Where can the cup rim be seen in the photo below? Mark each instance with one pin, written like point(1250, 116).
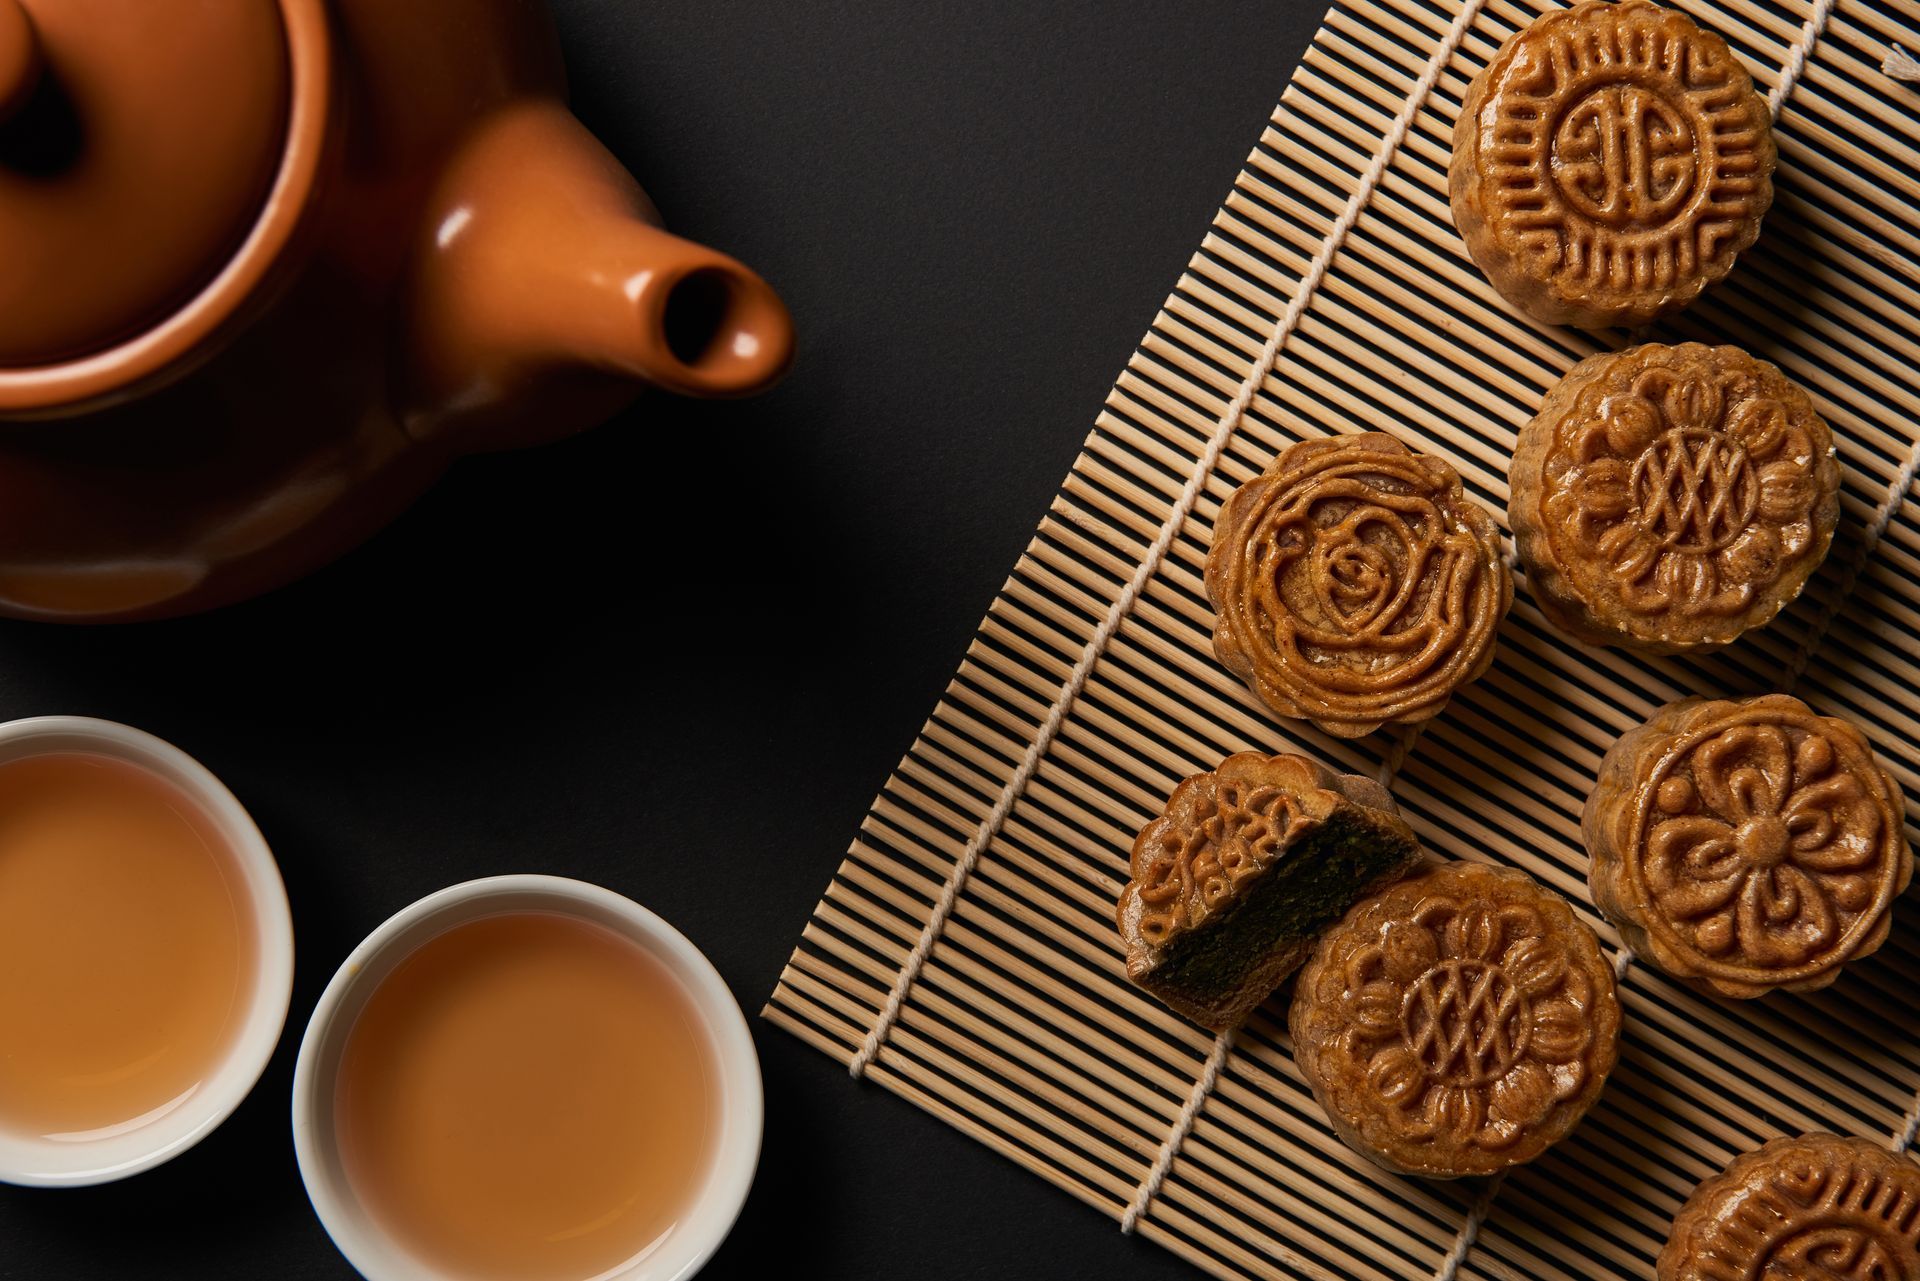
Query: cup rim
point(252, 1048)
point(717, 1205)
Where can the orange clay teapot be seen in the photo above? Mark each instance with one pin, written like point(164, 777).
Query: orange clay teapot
point(268, 266)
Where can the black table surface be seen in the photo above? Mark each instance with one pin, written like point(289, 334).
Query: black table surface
point(677, 655)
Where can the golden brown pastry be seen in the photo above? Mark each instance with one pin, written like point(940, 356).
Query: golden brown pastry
point(1669, 498)
point(1355, 584)
point(1744, 845)
point(1610, 163)
point(1459, 1022)
point(1815, 1208)
point(1245, 866)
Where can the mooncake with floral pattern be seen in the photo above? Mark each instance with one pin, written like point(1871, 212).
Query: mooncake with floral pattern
point(1668, 499)
point(1746, 845)
point(1457, 1023)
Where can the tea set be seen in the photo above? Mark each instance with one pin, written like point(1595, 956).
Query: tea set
point(267, 268)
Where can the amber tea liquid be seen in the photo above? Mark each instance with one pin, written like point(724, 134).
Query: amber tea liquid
point(527, 1097)
point(127, 948)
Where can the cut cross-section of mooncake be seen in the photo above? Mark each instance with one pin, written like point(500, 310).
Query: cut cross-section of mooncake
point(1246, 865)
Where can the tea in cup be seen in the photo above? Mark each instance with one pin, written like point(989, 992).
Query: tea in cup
point(527, 1079)
point(146, 951)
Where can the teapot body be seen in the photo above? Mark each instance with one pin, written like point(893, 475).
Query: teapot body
point(454, 264)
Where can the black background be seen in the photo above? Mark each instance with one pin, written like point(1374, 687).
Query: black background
point(679, 654)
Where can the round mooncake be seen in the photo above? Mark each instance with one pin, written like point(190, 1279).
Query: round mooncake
point(1457, 1023)
point(1745, 845)
point(1610, 163)
point(1669, 498)
point(1355, 584)
point(1815, 1208)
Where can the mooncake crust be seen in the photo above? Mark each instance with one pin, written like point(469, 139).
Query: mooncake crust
point(1457, 1023)
point(1745, 846)
point(1670, 498)
point(1815, 1208)
point(1355, 584)
point(1244, 866)
point(1610, 163)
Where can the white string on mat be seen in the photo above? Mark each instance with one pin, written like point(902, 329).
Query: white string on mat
point(1076, 681)
point(1810, 33)
point(1622, 962)
point(1909, 1128)
point(1900, 65)
point(1182, 1126)
point(1450, 1266)
point(1857, 565)
point(1403, 740)
point(1396, 753)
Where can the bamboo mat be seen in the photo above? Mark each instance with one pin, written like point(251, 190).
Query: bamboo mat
point(1091, 690)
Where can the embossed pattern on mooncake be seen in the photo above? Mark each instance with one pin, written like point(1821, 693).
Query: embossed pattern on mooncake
point(1816, 1208)
point(1744, 845)
point(1610, 163)
point(1460, 1022)
point(1245, 865)
point(1670, 498)
point(1355, 584)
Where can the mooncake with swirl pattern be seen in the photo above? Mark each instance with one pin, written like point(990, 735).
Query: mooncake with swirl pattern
point(1355, 584)
point(1814, 1208)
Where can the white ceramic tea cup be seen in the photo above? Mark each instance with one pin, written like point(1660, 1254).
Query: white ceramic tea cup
point(685, 1247)
point(115, 1152)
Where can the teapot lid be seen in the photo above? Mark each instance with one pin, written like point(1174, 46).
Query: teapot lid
point(141, 147)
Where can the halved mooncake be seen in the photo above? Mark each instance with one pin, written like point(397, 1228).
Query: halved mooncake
point(1247, 863)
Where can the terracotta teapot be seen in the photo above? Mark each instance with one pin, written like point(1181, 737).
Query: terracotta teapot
point(268, 266)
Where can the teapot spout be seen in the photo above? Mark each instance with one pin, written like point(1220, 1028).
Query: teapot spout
point(543, 273)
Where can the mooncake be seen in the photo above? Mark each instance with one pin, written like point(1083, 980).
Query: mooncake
point(1816, 1208)
point(1609, 164)
point(1746, 845)
point(1355, 584)
point(1247, 863)
point(1668, 498)
point(1459, 1022)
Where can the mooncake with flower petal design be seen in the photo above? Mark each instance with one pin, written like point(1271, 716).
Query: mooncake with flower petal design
point(1245, 866)
point(1355, 584)
point(1746, 845)
point(1668, 499)
point(1814, 1208)
point(1457, 1023)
